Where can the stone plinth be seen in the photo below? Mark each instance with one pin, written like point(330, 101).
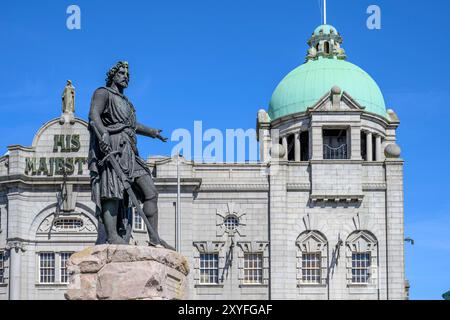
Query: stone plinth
point(122, 272)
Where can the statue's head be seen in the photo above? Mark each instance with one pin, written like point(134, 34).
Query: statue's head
point(119, 75)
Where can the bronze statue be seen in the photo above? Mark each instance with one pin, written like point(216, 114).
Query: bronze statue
point(119, 177)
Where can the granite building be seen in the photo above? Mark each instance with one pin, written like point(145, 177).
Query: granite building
point(320, 216)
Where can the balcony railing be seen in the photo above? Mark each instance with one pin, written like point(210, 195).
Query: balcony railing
point(335, 153)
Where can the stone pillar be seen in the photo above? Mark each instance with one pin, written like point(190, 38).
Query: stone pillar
point(264, 135)
point(316, 139)
point(354, 142)
point(378, 148)
point(369, 146)
point(285, 145)
point(298, 151)
point(282, 249)
point(395, 229)
point(264, 144)
point(15, 250)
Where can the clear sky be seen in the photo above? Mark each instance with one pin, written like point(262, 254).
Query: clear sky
point(219, 61)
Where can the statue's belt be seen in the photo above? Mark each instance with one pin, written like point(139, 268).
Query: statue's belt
point(117, 129)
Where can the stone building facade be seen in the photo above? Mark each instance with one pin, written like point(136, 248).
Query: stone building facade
point(320, 216)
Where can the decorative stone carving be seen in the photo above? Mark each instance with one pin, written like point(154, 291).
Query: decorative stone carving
point(361, 241)
point(311, 241)
point(277, 151)
point(392, 151)
point(252, 247)
point(209, 246)
point(230, 221)
point(336, 90)
point(16, 245)
point(123, 272)
point(50, 224)
point(312, 53)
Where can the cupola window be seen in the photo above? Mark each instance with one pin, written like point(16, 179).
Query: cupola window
point(327, 47)
point(335, 144)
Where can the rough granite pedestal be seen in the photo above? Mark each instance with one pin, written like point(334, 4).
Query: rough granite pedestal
point(123, 272)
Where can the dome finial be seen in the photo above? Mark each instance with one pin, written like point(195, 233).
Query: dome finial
point(324, 11)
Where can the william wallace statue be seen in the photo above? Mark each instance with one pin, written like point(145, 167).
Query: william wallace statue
point(119, 177)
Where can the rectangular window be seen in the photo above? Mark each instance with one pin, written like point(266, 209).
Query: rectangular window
point(138, 222)
point(2, 267)
point(68, 224)
point(335, 144)
point(361, 267)
point(46, 267)
point(63, 258)
point(253, 268)
point(209, 268)
point(311, 268)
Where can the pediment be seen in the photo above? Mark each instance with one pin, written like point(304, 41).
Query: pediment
point(336, 102)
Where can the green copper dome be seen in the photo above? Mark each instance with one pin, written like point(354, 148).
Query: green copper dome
point(325, 28)
point(325, 68)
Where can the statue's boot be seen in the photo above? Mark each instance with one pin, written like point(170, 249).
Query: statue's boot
point(116, 239)
point(110, 220)
point(166, 245)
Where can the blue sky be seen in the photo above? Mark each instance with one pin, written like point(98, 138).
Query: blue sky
point(219, 62)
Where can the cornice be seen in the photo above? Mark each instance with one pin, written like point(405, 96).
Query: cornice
point(235, 187)
point(298, 187)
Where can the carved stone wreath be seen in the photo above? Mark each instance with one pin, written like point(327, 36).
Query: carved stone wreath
point(230, 220)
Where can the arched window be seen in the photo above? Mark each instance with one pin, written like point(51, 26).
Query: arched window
point(362, 258)
point(312, 258)
point(326, 47)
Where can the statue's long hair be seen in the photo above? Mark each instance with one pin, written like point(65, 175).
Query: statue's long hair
point(112, 72)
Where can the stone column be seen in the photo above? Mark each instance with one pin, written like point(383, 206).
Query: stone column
point(369, 146)
point(285, 145)
point(265, 142)
point(378, 148)
point(15, 249)
point(298, 151)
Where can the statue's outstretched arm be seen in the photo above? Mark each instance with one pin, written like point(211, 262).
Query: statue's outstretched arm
point(149, 132)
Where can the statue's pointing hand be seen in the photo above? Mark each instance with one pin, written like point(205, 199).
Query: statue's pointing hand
point(160, 137)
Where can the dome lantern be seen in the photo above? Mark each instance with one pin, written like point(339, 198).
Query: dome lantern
point(325, 42)
point(326, 66)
